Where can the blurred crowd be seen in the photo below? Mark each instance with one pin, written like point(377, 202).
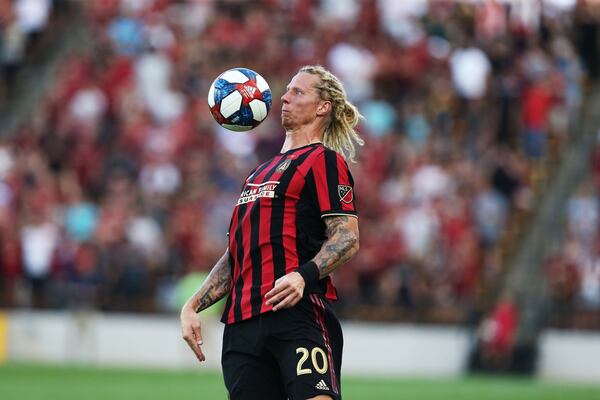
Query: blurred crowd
point(573, 271)
point(122, 184)
point(22, 22)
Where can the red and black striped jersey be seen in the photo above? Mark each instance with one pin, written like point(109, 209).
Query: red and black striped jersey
point(277, 223)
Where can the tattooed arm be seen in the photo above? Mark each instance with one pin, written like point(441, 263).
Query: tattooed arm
point(215, 287)
point(340, 246)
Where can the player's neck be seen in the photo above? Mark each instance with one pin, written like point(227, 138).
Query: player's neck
point(304, 136)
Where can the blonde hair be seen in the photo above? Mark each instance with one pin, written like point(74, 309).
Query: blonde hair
point(340, 133)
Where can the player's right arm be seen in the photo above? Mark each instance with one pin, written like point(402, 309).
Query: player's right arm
point(214, 288)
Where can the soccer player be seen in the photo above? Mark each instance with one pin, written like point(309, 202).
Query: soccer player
point(294, 223)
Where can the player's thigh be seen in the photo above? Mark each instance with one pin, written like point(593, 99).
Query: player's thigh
point(249, 371)
point(251, 377)
point(311, 355)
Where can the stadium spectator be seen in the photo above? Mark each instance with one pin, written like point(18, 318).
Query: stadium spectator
point(573, 271)
point(22, 23)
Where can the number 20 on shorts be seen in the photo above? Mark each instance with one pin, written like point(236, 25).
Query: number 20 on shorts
point(317, 357)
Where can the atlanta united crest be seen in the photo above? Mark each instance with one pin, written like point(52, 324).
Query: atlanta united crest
point(284, 165)
point(345, 193)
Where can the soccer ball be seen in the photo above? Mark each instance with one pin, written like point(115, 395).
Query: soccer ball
point(239, 99)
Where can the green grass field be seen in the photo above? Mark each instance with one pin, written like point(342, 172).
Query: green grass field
point(39, 382)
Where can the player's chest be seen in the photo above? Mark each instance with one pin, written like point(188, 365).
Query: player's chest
point(281, 179)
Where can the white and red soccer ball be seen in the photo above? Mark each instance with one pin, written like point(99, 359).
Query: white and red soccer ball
point(239, 99)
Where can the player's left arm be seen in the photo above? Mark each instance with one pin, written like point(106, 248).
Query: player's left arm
point(340, 246)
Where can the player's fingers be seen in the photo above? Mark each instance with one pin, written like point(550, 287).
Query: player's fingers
point(195, 343)
point(192, 334)
point(188, 334)
point(279, 287)
point(276, 298)
point(195, 346)
point(289, 301)
point(279, 296)
point(199, 352)
point(197, 332)
point(191, 330)
point(198, 342)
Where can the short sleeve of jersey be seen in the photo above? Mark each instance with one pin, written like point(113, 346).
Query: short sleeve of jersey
point(334, 186)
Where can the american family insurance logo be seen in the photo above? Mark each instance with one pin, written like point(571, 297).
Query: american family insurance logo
point(255, 191)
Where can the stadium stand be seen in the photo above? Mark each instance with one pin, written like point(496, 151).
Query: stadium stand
point(572, 270)
point(121, 185)
point(26, 30)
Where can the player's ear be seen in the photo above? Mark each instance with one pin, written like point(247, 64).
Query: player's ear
point(324, 108)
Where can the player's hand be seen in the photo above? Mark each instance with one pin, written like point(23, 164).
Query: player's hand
point(287, 292)
point(190, 329)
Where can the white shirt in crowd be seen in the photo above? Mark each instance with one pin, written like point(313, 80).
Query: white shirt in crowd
point(38, 243)
point(470, 68)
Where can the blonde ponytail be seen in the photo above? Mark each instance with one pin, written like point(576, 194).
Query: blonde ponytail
point(340, 133)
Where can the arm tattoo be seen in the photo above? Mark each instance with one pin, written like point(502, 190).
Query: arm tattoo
point(216, 285)
point(340, 246)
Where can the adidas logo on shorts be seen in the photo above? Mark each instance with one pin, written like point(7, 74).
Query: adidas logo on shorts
point(321, 385)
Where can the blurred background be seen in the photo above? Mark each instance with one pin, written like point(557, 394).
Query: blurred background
point(477, 187)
